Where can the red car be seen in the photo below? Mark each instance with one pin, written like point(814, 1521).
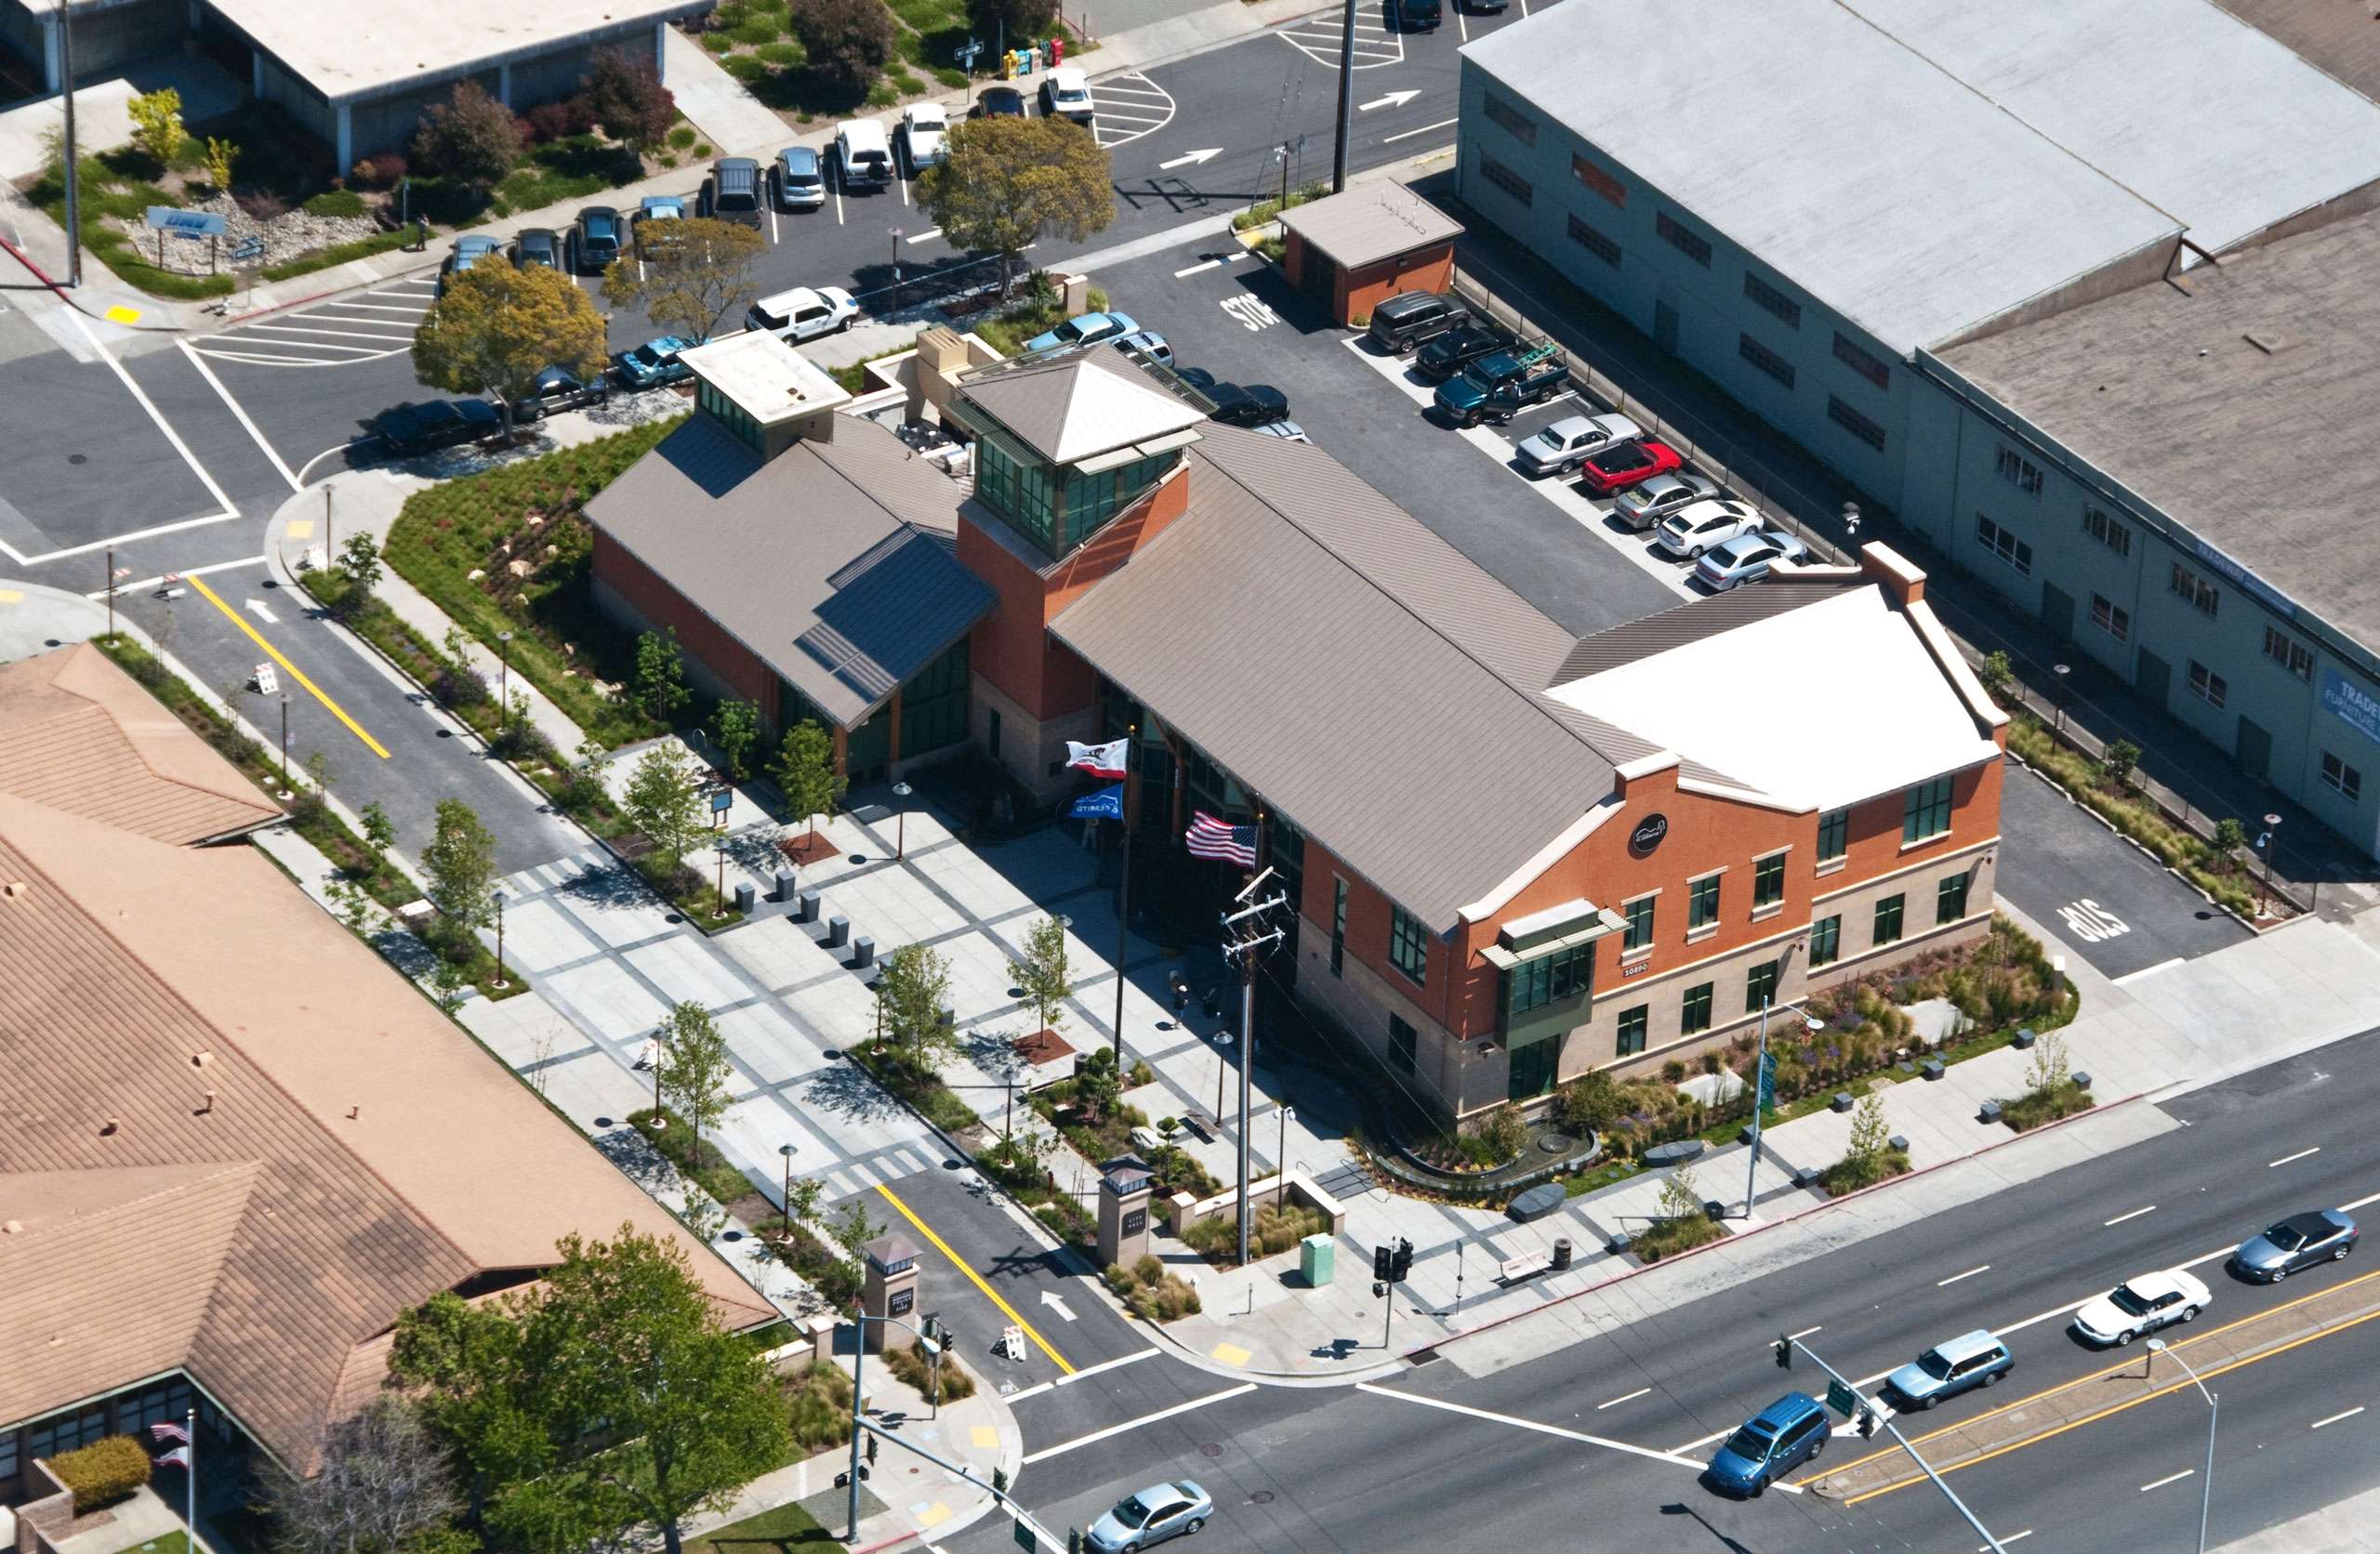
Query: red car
point(1616, 469)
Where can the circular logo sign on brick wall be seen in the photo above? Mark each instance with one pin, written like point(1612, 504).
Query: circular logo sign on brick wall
point(1649, 833)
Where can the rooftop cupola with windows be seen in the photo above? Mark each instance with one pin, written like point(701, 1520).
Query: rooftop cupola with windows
point(1064, 446)
point(765, 392)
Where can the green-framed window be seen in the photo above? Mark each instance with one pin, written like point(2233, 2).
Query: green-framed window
point(1768, 881)
point(1760, 985)
point(1633, 1026)
point(1338, 926)
point(1835, 835)
point(1402, 1040)
point(1925, 810)
point(1889, 920)
point(1702, 902)
point(1549, 979)
point(1640, 923)
point(933, 703)
point(1826, 941)
point(1409, 944)
point(1951, 897)
point(1694, 1014)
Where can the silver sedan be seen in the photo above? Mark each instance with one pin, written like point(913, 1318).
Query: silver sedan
point(1153, 1515)
point(1747, 558)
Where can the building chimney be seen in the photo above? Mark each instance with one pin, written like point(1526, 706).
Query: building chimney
point(1881, 564)
point(209, 1106)
point(112, 1125)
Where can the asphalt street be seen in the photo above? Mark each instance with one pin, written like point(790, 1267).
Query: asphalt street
point(1612, 1428)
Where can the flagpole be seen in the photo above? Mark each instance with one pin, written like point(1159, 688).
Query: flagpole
point(189, 1423)
point(1124, 886)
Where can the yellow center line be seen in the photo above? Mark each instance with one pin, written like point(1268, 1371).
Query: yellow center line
point(944, 1247)
point(294, 672)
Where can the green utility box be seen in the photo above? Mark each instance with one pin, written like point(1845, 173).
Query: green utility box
point(1318, 1256)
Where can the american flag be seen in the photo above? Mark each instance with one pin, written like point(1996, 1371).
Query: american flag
point(1209, 837)
point(168, 1431)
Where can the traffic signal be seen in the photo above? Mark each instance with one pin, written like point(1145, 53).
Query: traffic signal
point(1784, 1347)
point(1400, 1266)
point(1867, 1423)
point(1381, 1258)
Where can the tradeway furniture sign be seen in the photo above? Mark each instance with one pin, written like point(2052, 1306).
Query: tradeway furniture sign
point(2352, 705)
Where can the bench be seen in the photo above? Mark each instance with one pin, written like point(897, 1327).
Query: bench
point(1198, 1123)
point(1512, 1270)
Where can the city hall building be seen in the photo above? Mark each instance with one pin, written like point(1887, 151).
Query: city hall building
point(1516, 855)
point(2081, 294)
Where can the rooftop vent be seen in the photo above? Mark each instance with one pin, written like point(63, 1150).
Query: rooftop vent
point(2272, 342)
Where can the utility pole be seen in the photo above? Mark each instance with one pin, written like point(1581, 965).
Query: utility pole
point(1247, 941)
point(1346, 98)
point(1124, 887)
point(1786, 1345)
point(73, 180)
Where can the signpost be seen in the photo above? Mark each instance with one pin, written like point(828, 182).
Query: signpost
point(190, 224)
point(1842, 1399)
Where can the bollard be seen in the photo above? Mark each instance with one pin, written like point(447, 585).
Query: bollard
point(1561, 1253)
point(863, 953)
point(745, 898)
point(784, 892)
point(839, 931)
point(808, 910)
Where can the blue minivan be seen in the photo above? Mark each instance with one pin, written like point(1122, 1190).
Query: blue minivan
point(1789, 1432)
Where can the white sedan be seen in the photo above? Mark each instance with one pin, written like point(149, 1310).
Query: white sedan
point(2142, 1305)
point(804, 313)
point(1704, 525)
point(1747, 558)
point(923, 126)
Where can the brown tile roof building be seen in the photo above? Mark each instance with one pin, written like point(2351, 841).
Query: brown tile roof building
point(234, 1141)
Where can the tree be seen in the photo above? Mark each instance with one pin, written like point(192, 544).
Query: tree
point(660, 675)
point(1022, 19)
point(739, 727)
point(461, 865)
point(470, 137)
point(358, 559)
point(664, 802)
point(628, 100)
point(1870, 1136)
point(383, 1485)
point(619, 1332)
point(221, 154)
point(1995, 673)
point(848, 41)
point(913, 990)
point(1098, 1086)
point(805, 772)
point(1009, 182)
point(1680, 1198)
point(2050, 1071)
point(2229, 837)
point(1041, 972)
point(498, 328)
point(695, 1069)
point(157, 125)
point(689, 274)
point(379, 833)
point(2117, 763)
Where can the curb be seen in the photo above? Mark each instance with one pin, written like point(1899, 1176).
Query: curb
point(2155, 861)
point(1790, 1219)
point(60, 290)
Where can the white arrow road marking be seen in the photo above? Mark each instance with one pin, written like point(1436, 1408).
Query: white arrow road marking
point(1193, 159)
point(1057, 1304)
point(258, 606)
point(1394, 100)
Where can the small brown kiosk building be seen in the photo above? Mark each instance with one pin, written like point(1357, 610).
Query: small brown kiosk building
point(1354, 251)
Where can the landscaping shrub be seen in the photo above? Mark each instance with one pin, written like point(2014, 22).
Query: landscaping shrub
point(1667, 1238)
point(557, 121)
point(2211, 869)
point(380, 170)
point(818, 1405)
point(683, 135)
point(104, 1472)
point(1152, 1293)
point(914, 1369)
point(2033, 1109)
point(336, 203)
point(1850, 1174)
point(1274, 1229)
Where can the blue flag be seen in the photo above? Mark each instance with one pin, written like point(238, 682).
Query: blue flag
point(1106, 803)
point(1768, 1081)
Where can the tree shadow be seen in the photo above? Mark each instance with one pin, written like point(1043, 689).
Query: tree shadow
point(637, 1160)
point(846, 1090)
point(608, 886)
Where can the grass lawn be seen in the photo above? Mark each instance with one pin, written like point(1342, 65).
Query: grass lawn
point(786, 1527)
point(171, 1543)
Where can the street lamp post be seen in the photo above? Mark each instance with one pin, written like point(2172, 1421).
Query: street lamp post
point(286, 790)
point(859, 1398)
point(2265, 842)
point(499, 941)
point(1851, 529)
point(2061, 671)
point(504, 678)
point(901, 823)
point(1281, 1143)
point(2213, 1412)
point(786, 1152)
point(1223, 1046)
point(1759, 1079)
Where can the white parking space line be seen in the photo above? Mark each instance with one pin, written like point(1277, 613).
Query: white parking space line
point(415, 309)
point(2287, 1158)
point(2169, 1478)
point(1807, 1331)
point(1625, 1397)
point(255, 360)
point(2131, 977)
point(2133, 1215)
point(235, 407)
point(1979, 1268)
point(2336, 1417)
point(773, 236)
point(1063, 1446)
point(1425, 129)
point(330, 333)
point(2005, 1539)
point(1141, 105)
point(926, 236)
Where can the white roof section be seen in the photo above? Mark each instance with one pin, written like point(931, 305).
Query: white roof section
point(2215, 123)
point(353, 48)
point(1804, 134)
point(1715, 701)
point(763, 376)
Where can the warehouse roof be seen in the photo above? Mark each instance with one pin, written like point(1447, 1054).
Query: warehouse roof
point(2338, 35)
point(1369, 223)
point(2239, 409)
point(831, 562)
point(2079, 134)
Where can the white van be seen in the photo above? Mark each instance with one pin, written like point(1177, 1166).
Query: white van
point(863, 155)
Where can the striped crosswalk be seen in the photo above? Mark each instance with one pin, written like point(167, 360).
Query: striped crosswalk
point(1317, 37)
point(549, 876)
point(364, 326)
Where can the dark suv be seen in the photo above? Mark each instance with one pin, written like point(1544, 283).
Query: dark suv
point(732, 192)
point(1410, 318)
point(595, 240)
point(418, 428)
point(1460, 346)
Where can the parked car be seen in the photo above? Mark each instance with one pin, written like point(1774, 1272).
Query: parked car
point(1151, 1515)
point(1483, 7)
point(1647, 502)
point(1977, 1358)
point(660, 207)
point(1082, 329)
point(1287, 431)
point(1747, 558)
point(1410, 318)
point(1495, 388)
point(2142, 1305)
point(1700, 526)
point(1789, 1432)
point(1065, 94)
point(732, 192)
point(1446, 354)
point(558, 388)
point(1417, 16)
point(923, 126)
point(999, 102)
point(2300, 1240)
point(804, 313)
point(468, 250)
point(1565, 444)
point(595, 239)
point(418, 428)
point(1146, 345)
point(536, 245)
point(1248, 404)
point(863, 156)
point(1615, 470)
point(799, 183)
point(652, 364)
